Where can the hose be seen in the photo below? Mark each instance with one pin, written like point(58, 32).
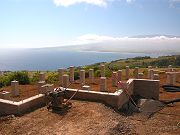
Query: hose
point(72, 96)
point(171, 88)
point(171, 101)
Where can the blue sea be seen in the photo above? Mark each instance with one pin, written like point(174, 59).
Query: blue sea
point(52, 59)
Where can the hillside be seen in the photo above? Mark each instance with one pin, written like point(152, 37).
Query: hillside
point(85, 118)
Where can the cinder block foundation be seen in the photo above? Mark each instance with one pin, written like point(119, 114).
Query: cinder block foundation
point(141, 87)
point(9, 107)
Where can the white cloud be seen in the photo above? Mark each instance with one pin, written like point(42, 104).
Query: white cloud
point(100, 3)
point(66, 3)
point(93, 38)
point(144, 44)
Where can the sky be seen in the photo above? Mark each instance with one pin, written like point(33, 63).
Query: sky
point(48, 23)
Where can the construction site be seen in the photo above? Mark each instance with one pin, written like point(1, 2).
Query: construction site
point(128, 102)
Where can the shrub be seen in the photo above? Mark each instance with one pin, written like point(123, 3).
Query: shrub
point(108, 73)
point(4, 81)
point(52, 78)
point(21, 76)
point(76, 75)
point(97, 73)
point(86, 74)
point(177, 61)
point(35, 78)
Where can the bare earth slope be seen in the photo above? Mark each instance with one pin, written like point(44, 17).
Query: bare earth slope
point(90, 118)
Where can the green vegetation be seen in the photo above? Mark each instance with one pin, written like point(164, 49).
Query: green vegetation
point(144, 62)
point(34, 78)
point(51, 77)
point(141, 62)
point(25, 77)
point(21, 76)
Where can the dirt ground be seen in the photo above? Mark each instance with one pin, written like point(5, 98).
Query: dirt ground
point(90, 118)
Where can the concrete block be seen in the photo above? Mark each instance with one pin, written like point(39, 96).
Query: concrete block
point(91, 75)
point(65, 80)
point(82, 77)
point(41, 83)
point(156, 77)
point(140, 75)
point(146, 88)
point(136, 71)
point(71, 74)
point(170, 69)
point(15, 88)
point(151, 74)
point(46, 88)
point(171, 78)
point(60, 76)
point(114, 79)
point(86, 87)
point(103, 84)
point(102, 70)
point(5, 95)
point(41, 76)
point(8, 107)
point(122, 85)
point(111, 99)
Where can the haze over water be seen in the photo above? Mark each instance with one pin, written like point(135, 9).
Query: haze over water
point(47, 59)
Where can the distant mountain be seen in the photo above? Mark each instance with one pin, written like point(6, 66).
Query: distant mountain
point(135, 44)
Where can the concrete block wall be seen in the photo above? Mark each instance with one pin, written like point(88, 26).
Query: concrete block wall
point(31, 103)
point(9, 107)
point(143, 87)
point(104, 97)
point(146, 88)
